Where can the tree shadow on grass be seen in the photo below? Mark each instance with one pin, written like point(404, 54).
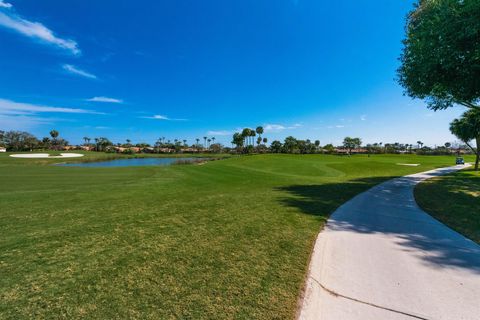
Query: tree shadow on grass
point(388, 209)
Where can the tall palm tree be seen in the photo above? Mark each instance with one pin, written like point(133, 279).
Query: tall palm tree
point(87, 140)
point(205, 142)
point(252, 136)
point(245, 135)
point(259, 131)
point(184, 142)
point(208, 144)
point(198, 142)
point(96, 143)
point(213, 139)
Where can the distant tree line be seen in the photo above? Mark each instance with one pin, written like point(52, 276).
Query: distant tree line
point(249, 141)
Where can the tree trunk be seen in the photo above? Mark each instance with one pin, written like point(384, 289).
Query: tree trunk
point(477, 153)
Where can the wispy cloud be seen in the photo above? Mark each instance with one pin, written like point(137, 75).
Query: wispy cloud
point(5, 4)
point(35, 30)
point(279, 127)
point(18, 108)
point(273, 128)
point(105, 99)
point(161, 117)
point(220, 133)
point(338, 126)
point(74, 70)
point(363, 117)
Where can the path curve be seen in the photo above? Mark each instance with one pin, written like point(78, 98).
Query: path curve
point(381, 257)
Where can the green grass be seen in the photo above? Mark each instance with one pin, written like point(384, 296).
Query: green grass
point(227, 239)
point(454, 200)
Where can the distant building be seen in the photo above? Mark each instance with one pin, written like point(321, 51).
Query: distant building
point(2, 149)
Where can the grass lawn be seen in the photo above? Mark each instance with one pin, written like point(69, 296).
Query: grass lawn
point(229, 239)
point(454, 200)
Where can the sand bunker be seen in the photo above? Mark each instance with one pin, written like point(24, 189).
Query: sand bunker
point(46, 155)
point(409, 164)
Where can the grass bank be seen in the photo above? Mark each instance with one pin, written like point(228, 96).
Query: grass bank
point(228, 239)
point(453, 199)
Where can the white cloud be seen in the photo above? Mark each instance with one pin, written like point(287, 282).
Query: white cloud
point(295, 126)
point(161, 117)
point(363, 117)
point(220, 133)
point(339, 126)
point(279, 127)
point(105, 99)
point(273, 128)
point(21, 122)
point(74, 70)
point(5, 4)
point(35, 30)
point(18, 108)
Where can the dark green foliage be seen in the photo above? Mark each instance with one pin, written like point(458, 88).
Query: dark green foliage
point(441, 54)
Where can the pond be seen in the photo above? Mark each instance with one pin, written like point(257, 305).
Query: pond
point(133, 162)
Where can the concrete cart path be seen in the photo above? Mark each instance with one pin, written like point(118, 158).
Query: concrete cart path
point(381, 257)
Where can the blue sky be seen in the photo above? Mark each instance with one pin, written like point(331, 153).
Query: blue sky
point(180, 69)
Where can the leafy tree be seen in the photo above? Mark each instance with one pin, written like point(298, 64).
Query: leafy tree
point(329, 148)
point(19, 141)
point(216, 147)
point(290, 145)
point(351, 143)
point(238, 140)
point(265, 140)
point(441, 55)
point(259, 140)
point(467, 128)
point(276, 146)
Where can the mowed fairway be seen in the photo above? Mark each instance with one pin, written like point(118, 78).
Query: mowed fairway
point(229, 239)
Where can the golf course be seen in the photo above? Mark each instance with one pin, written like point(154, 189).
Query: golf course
point(226, 239)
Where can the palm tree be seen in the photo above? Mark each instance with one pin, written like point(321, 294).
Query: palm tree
point(213, 139)
point(420, 144)
point(128, 142)
point(54, 134)
point(87, 140)
point(208, 144)
point(184, 142)
point(198, 142)
point(252, 135)
point(205, 142)
point(245, 134)
point(265, 140)
point(96, 144)
point(259, 131)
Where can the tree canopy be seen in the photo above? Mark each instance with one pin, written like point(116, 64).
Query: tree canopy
point(440, 62)
point(467, 128)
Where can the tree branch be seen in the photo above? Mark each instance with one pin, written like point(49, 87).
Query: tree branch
point(468, 104)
